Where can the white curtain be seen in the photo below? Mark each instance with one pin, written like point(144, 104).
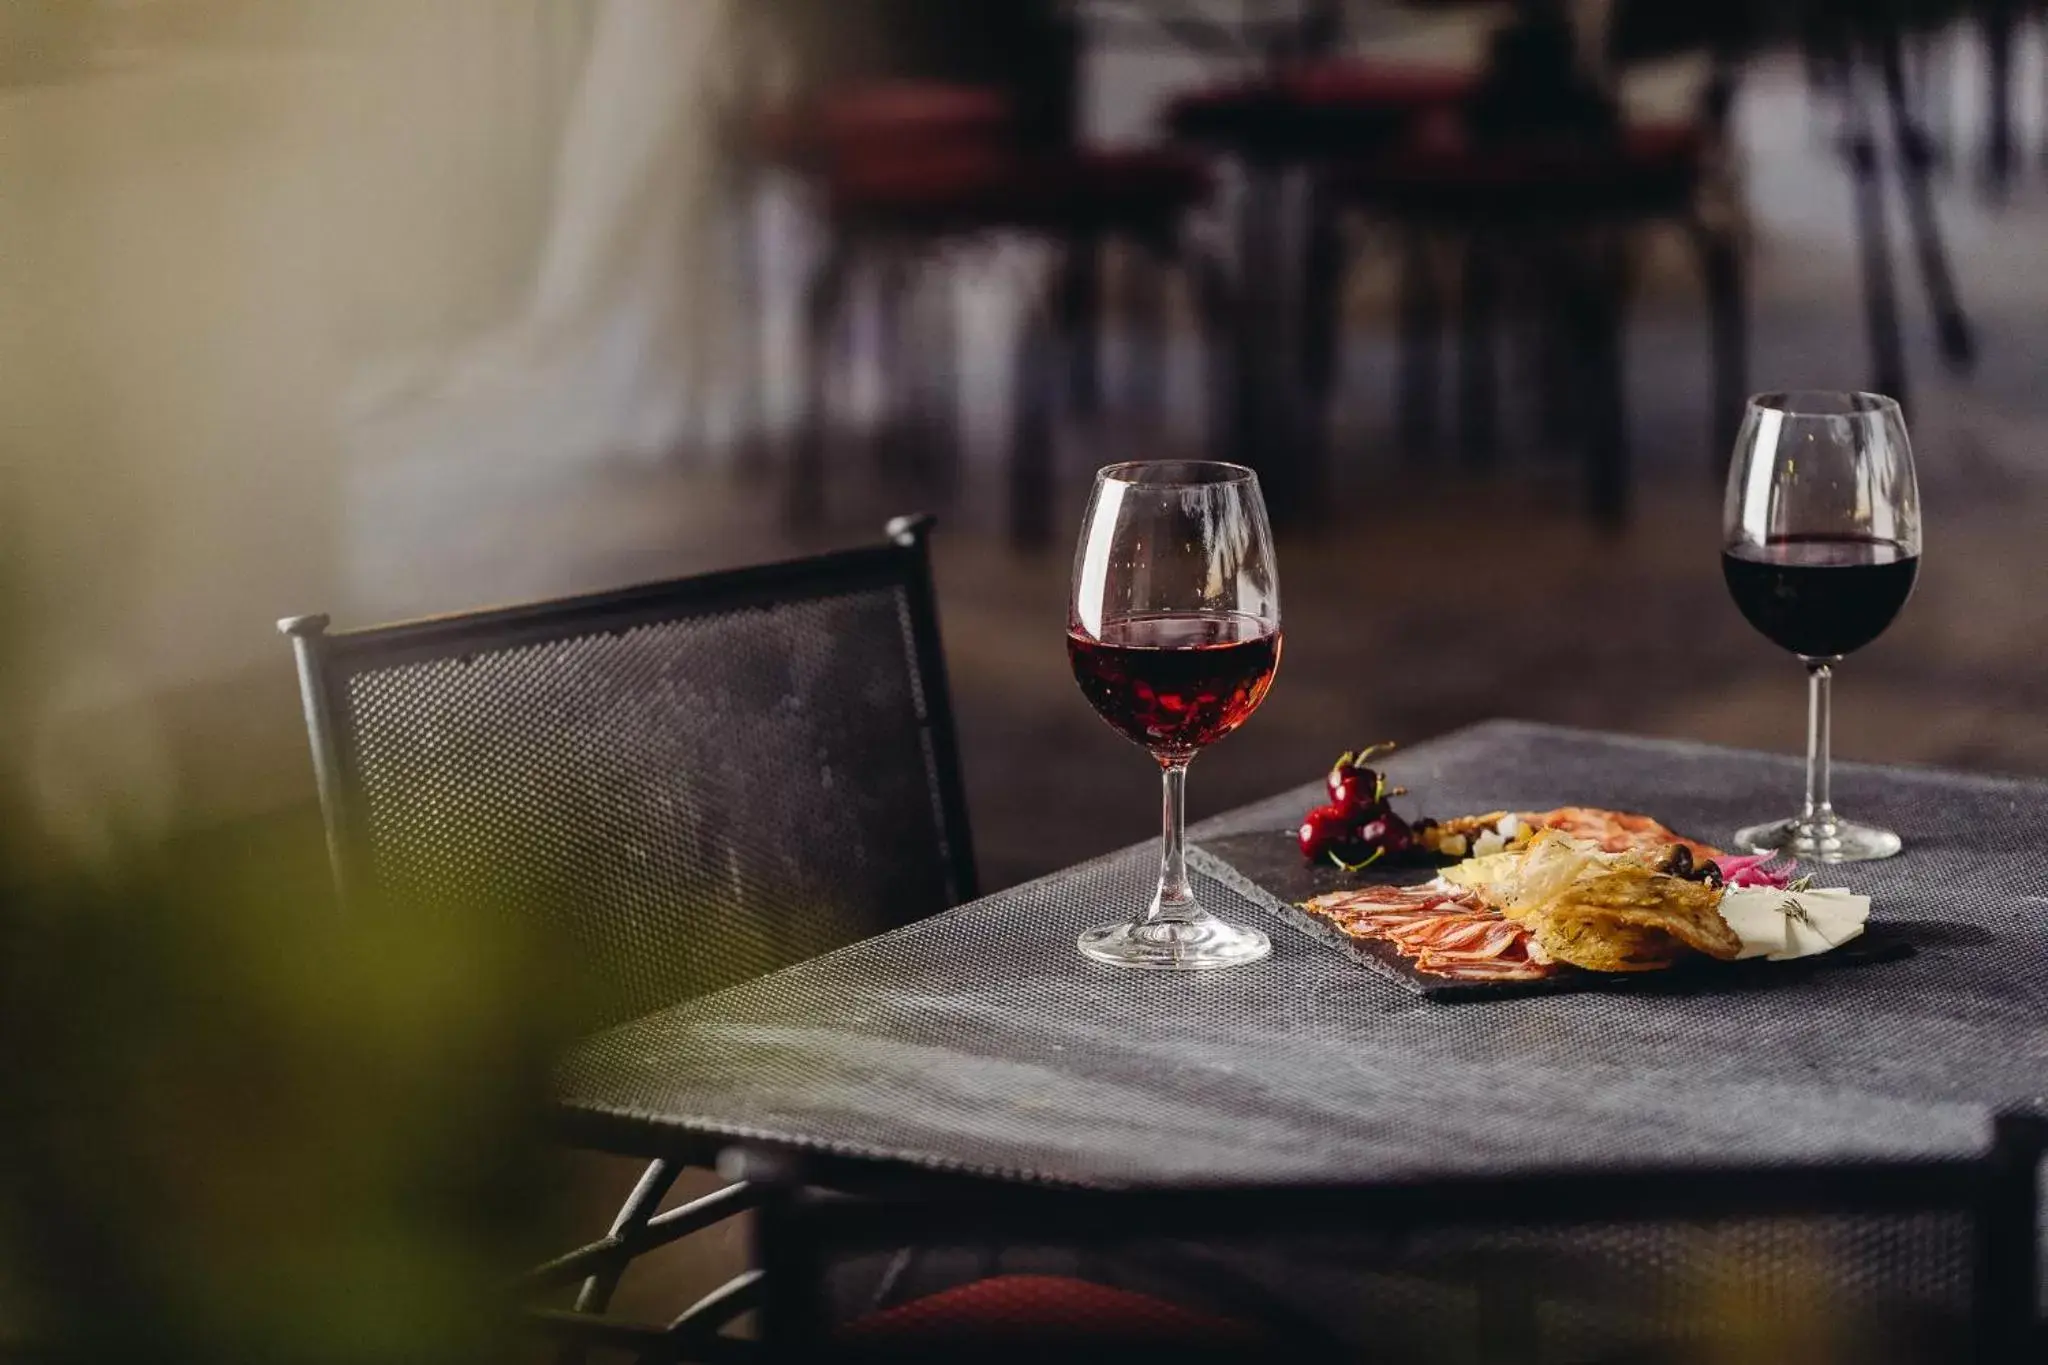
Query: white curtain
point(594, 363)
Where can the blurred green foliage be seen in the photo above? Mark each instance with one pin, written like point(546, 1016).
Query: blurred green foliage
point(236, 1124)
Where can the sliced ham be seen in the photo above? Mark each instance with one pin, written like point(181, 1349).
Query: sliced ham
point(1462, 934)
point(1444, 930)
point(1490, 969)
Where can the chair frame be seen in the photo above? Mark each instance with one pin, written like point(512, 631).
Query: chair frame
point(327, 660)
point(2000, 1189)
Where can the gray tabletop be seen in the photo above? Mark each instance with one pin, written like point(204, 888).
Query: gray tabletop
point(979, 1041)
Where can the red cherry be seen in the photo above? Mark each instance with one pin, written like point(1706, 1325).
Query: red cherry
point(1322, 829)
point(1352, 785)
point(1388, 831)
point(1353, 789)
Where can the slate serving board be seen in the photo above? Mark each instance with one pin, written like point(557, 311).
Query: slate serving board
point(1266, 867)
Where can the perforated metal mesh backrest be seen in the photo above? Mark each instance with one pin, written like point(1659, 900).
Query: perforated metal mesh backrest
point(687, 785)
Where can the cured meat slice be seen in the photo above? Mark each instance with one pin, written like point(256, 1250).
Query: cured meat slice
point(1442, 929)
point(1487, 969)
point(1617, 831)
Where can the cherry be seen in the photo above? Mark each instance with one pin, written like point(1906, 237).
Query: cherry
point(1353, 786)
point(1323, 829)
point(1387, 831)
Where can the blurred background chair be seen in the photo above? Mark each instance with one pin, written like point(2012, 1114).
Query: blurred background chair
point(937, 155)
point(1929, 1260)
point(1279, 130)
point(677, 786)
point(1528, 175)
point(900, 219)
point(1870, 65)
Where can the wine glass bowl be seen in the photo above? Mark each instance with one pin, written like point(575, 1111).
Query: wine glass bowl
point(1820, 549)
point(1175, 683)
point(1173, 632)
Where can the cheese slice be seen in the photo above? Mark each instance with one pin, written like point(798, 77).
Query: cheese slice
point(1822, 920)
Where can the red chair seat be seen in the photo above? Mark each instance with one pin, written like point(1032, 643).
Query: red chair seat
point(1377, 85)
point(1648, 169)
point(1320, 109)
point(1016, 1310)
point(965, 189)
point(899, 118)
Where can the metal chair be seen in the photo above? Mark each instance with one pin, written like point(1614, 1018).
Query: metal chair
point(682, 785)
point(1645, 1263)
point(901, 210)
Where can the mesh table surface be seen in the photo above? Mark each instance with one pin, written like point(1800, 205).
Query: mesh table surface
point(980, 1041)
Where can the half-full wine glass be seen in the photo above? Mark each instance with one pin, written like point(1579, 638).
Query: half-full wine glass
point(1820, 547)
point(1174, 633)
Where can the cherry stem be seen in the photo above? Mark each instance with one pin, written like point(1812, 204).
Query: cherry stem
point(1377, 854)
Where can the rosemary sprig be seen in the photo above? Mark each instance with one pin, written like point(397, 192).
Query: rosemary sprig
point(1790, 908)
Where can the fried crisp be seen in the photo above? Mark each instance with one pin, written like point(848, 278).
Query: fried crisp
point(1481, 873)
point(1602, 911)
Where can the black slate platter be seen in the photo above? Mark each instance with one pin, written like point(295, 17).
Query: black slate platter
point(1267, 868)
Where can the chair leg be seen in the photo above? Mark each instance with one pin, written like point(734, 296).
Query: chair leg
point(2000, 19)
point(1550, 299)
point(1421, 314)
point(1270, 431)
point(1150, 338)
point(1216, 319)
point(824, 298)
point(1033, 401)
point(596, 1294)
point(1600, 285)
point(1322, 302)
point(1934, 72)
point(1952, 328)
point(1721, 269)
point(1873, 236)
point(1080, 316)
point(1296, 353)
point(749, 274)
point(894, 280)
point(1251, 324)
point(935, 411)
point(1478, 369)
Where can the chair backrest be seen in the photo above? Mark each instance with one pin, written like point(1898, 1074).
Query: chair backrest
point(687, 783)
point(1930, 1259)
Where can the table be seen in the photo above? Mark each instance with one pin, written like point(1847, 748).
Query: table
point(978, 1042)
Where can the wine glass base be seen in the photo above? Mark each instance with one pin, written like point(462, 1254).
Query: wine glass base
point(1823, 841)
point(1190, 946)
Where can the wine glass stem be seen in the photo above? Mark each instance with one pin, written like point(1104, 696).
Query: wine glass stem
point(1175, 902)
point(1820, 675)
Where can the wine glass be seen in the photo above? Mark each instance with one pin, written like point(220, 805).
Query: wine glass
point(1174, 632)
point(1820, 547)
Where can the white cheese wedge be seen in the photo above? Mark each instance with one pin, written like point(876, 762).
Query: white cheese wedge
point(1787, 924)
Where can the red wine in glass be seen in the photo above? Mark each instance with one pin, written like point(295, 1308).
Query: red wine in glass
point(1176, 682)
point(1820, 596)
point(1820, 544)
point(1173, 631)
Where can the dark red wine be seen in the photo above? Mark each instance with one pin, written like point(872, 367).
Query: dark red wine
point(1176, 682)
point(1821, 595)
